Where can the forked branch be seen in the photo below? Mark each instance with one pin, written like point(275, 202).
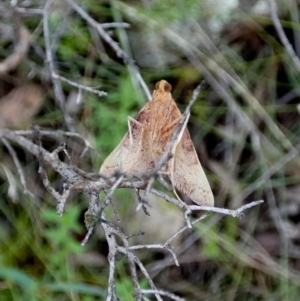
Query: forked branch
point(91, 188)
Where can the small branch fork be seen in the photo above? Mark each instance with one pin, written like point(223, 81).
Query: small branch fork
point(114, 45)
point(91, 186)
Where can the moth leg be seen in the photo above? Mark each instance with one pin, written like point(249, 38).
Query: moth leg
point(168, 127)
point(174, 123)
point(130, 119)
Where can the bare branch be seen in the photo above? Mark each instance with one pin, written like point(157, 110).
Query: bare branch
point(142, 268)
point(17, 164)
point(234, 213)
point(115, 25)
point(79, 86)
point(59, 96)
point(184, 228)
point(282, 36)
point(114, 45)
point(163, 293)
point(79, 184)
point(95, 215)
point(112, 256)
point(57, 134)
point(60, 198)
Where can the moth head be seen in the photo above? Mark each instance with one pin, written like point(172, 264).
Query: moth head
point(163, 86)
point(162, 90)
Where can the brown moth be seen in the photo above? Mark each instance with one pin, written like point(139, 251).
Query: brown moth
point(145, 142)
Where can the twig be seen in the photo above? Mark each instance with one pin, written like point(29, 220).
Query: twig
point(114, 45)
point(79, 86)
point(87, 236)
point(61, 148)
point(91, 189)
point(282, 36)
point(57, 134)
point(17, 164)
point(118, 231)
point(195, 95)
point(142, 202)
point(137, 288)
point(235, 213)
point(115, 25)
point(167, 198)
point(163, 293)
point(145, 199)
point(165, 246)
point(60, 198)
point(29, 11)
point(80, 184)
point(112, 244)
point(106, 200)
point(59, 96)
point(185, 228)
point(142, 268)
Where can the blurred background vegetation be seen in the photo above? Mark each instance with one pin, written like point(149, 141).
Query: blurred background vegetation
point(245, 128)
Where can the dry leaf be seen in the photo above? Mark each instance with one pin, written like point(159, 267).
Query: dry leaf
point(20, 105)
point(146, 141)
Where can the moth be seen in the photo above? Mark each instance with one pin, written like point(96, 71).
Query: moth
point(146, 140)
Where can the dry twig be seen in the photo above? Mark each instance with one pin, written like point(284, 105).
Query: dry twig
point(114, 45)
point(91, 189)
point(282, 36)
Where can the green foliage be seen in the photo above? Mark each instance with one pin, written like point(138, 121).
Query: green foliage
point(21, 286)
point(48, 241)
point(59, 236)
point(124, 286)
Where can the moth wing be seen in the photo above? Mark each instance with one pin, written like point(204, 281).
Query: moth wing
point(120, 159)
point(188, 174)
point(130, 156)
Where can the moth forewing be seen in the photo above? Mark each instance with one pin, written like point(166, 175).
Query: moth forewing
point(129, 156)
point(171, 165)
point(189, 176)
point(114, 162)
